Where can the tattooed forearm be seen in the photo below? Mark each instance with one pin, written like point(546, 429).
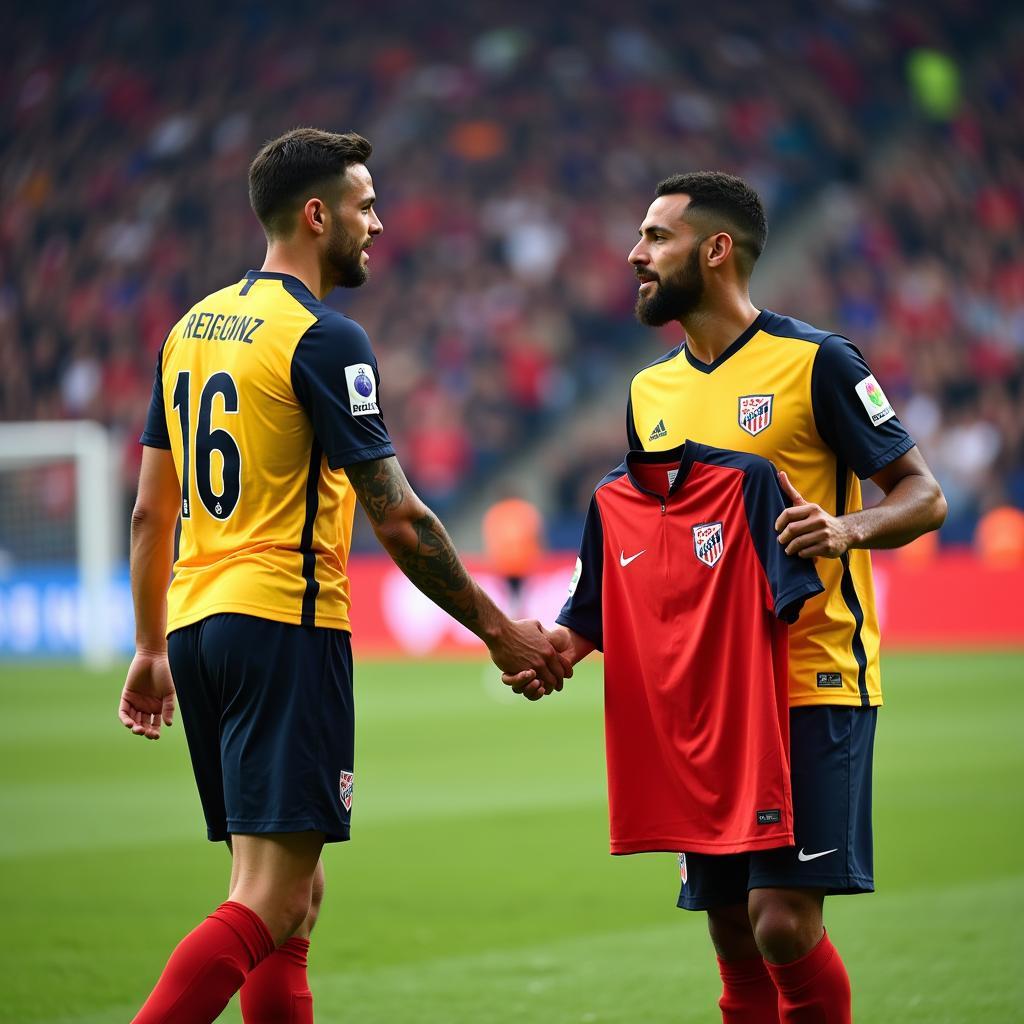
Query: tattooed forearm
point(380, 485)
point(434, 566)
point(418, 542)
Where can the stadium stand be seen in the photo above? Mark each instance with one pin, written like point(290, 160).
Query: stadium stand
point(514, 158)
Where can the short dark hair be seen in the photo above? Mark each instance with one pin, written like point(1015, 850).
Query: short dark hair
point(727, 199)
point(294, 166)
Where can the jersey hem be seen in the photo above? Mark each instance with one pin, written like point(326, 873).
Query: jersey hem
point(783, 606)
point(853, 700)
point(249, 826)
point(151, 441)
point(353, 455)
point(834, 885)
point(673, 844)
point(259, 612)
point(573, 624)
point(883, 460)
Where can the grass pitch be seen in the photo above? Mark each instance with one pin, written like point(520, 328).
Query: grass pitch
point(478, 887)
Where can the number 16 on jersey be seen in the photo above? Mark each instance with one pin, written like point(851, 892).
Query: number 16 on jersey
point(206, 442)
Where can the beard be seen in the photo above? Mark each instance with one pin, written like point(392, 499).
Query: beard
point(344, 258)
point(674, 297)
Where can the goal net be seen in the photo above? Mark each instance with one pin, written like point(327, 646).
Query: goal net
point(63, 590)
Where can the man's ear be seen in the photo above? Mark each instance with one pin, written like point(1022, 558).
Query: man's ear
point(314, 215)
point(719, 245)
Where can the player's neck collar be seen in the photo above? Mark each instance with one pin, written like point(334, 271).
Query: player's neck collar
point(759, 321)
point(684, 456)
point(290, 281)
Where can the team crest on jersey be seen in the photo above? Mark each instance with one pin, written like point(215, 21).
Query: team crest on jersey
point(708, 542)
point(345, 785)
point(755, 413)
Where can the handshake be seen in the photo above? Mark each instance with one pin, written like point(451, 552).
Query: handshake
point(534, 661)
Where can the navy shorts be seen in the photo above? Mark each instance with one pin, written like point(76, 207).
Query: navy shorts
point(268, 714)
point(831, 751)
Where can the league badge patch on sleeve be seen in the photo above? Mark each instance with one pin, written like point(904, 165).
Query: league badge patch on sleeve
point(345, 786)
point(708, 542)
point(362, 390)
point(575, 581)
point(874, 401)
point(755, 413)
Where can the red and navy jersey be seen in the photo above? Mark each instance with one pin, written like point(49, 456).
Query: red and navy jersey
point(681, 581)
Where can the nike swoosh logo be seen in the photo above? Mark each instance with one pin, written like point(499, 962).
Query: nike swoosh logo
point(624, 561)
point(814, 856)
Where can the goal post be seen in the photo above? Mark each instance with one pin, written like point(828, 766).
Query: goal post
point(97, 531)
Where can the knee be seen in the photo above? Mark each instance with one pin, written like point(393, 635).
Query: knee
point(730, 932)
point(786, 927)
point(776, 933)
point(316, 898)
point(295, 908)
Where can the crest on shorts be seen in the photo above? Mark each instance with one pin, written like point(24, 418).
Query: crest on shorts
point(682, 868)
point(755, 413)
point(708, 542)
point(345, 787)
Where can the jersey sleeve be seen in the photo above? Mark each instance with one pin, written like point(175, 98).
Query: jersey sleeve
point(155, 434)
point(582, 612)
point(851, 412)
point(632, 437)
point(791, 579)
point(335, 377)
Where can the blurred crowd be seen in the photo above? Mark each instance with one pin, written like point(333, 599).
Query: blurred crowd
point(516, 149)
point(922, 263)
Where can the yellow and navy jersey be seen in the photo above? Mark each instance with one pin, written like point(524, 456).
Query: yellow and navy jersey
point(264, 395)
point(806, 400)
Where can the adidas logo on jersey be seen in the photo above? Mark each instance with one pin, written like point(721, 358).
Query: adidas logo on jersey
point(658, 432)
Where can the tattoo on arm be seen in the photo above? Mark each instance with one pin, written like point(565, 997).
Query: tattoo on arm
point(380, 485)
point(435, 567)
point(422, 550)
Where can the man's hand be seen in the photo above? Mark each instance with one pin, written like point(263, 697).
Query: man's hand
point(525, 647)
point(808, 530)
point(147, 700)
point(571, 648)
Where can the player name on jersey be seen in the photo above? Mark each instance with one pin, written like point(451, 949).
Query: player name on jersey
point(210, 326)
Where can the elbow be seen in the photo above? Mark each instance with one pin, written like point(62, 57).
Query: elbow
point(938, 507)
point(401, 528)
point(400, 519)
point(142, 516)
point(148, 518)
point(396, 534)
point(390, 534)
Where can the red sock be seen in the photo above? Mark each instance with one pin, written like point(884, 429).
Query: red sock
point(814, 989)
point(208, 968)
point(749, 995)
point(277, 991)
